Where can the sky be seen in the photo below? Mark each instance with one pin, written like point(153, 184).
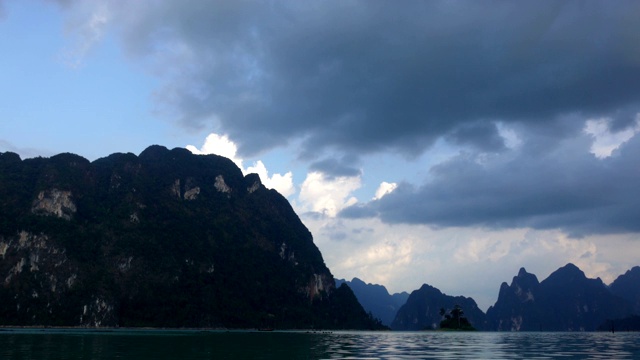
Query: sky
point(439, 142)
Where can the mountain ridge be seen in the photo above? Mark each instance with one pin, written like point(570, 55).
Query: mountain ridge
point(166, 238)
point(564, 301)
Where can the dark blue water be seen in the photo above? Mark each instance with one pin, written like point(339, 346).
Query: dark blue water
point(161, 344)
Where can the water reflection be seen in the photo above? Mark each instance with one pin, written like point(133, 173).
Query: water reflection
point(158, 344)
point(452, 345)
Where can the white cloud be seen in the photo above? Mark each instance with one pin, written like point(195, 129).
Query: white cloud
point(328, 196)
point(604, 141)
point(87, 28)
point(281, 183)
point(510, 136)
point(219, 145)
point(384, 189)
point(223, 146)
point(483, 247)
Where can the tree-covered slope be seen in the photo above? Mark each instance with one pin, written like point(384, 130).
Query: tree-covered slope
point(166, 238)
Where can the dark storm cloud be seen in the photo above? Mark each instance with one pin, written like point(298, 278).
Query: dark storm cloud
point(351, 78)
point(483, 136)
point(564, 187)
point(334, 168)
point(623, 118)
point(368, 76)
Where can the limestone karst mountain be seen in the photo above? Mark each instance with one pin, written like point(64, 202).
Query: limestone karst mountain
point(166, 238)
point(565, 301)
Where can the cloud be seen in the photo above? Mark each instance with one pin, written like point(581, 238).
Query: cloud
point(334, 167)
point(282, 183)
point(563, 186)
point(219, 145)
point(87, 26)
point(223, 146)
point(605, 141)
point(384, 189)
point(509, 84)
point(483, 136)
point(335, 75)
point(326, 195)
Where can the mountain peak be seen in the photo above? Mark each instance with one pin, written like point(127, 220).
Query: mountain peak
point(522, 272)
point(524, 279)
point(570, 269)
point(633, 271)
point(426, 288)
point(568, 274)
point(9, 157)
point(626, 286)
point(153, 152)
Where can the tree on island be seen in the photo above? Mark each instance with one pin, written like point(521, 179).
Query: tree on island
point(455, 320)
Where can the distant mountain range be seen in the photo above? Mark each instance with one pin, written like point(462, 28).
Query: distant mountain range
point(566, 301)
point(163, 239)
point(376, 299)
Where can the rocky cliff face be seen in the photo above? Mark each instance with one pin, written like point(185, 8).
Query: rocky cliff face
point(166, 238)
point(517, 304)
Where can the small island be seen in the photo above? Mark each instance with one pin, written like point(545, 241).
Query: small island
point(455, 320)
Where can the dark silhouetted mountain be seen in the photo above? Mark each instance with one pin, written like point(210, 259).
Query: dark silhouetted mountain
point(516, 303)
point(630, 323)
point(346, 312)
point(376, 299)
point(165, 239)
point(422, 310)
point(566, 301)
point(627, 286)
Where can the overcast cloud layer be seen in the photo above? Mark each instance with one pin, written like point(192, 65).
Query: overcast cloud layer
point(367, 76)
point(350, 78)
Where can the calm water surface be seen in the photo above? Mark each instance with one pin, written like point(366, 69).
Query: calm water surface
point(162, 344)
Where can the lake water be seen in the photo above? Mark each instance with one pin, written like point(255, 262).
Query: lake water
point(165, 344)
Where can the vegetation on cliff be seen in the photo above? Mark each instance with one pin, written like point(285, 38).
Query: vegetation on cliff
point(165, 239)
point(455, 320)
